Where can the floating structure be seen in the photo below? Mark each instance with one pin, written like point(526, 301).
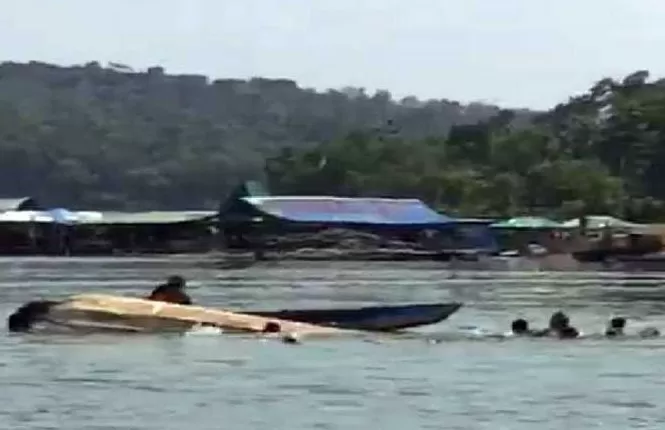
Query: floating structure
point(252, 219)
point(358, 227)
point(344, 211)
point(27, 228)
point(145, 232)
point(248, 220)
point(250, 213)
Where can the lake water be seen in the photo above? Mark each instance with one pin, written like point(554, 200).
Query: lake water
point(232, 382)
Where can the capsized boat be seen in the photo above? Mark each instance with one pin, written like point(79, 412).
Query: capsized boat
point(95, 312)
point(102, 312)
point(370, 318)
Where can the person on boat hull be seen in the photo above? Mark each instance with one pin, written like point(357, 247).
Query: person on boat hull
point(171, 292)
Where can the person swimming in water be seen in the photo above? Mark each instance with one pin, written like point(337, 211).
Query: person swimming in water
point(520, 327)
point(171, 292)
point(560, 326)
point(648, 332)
point(616, 327)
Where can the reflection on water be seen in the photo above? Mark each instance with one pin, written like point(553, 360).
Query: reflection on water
point(463, 382)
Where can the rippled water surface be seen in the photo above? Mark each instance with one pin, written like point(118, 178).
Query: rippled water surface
point(236, 383)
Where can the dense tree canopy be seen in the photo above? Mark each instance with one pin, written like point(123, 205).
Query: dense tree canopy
point(95, 137)
point(110, 137)
point(601, 152)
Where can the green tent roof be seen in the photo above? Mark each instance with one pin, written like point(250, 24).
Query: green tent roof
point(527, 222)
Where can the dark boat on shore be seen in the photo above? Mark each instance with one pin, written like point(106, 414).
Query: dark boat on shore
point(369, 318)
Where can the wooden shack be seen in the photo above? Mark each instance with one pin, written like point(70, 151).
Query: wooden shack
point(154, 232)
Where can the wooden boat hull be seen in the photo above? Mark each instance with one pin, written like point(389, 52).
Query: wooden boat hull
point(370, 318)
point(94, 313)
point(99, 312)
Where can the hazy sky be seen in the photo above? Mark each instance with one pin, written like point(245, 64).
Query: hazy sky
point(531, 53)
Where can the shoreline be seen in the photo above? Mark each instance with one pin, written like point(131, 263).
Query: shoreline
point(235, 260)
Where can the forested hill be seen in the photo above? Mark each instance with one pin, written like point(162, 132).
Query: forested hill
point(601, 152)
point(94, 137)
point(111, 137)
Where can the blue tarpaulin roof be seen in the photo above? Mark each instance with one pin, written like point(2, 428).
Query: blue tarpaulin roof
point(347, 210)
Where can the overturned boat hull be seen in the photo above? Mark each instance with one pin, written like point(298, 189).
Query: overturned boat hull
point(370, 318)
point(95, 313)
point(100, 312)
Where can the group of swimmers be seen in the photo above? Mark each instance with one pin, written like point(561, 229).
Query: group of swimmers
point(559, 327)
point(173, 291)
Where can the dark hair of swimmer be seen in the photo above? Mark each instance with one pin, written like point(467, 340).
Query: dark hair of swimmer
point(616, 326)
point(272, 327)
point(618, 322)
point(176, 281)
point(520, 326)
point(27, 315)
point(559, 321)
point(560, 326)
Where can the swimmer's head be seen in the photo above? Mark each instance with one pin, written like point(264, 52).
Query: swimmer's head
point(520, 326)
point(559, 321)
point(618, 323)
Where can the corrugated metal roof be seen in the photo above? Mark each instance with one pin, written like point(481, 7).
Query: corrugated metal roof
point(105, 218)
point(347, 210)
point(153, 217)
